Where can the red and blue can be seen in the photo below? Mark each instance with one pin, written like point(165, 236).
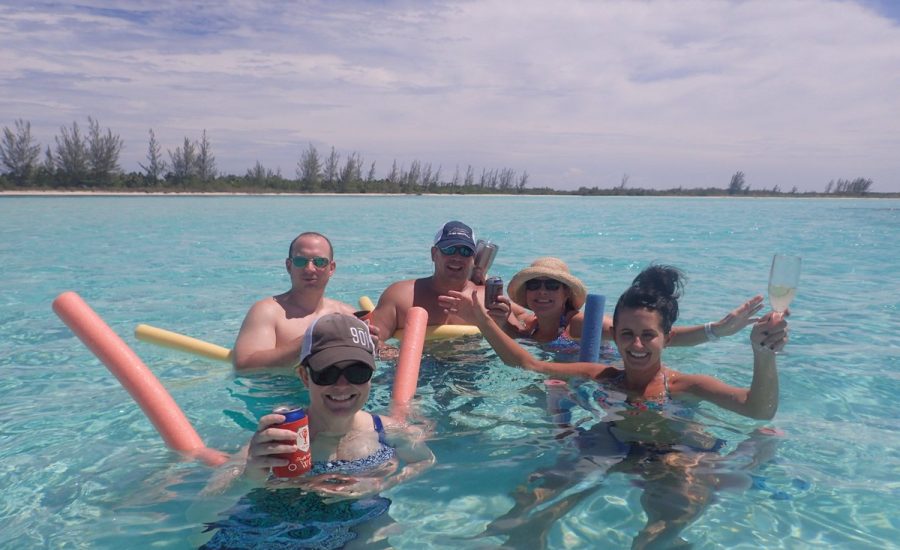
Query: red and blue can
point(300, 461)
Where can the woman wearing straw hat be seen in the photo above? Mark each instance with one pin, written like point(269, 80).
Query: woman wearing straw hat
point(553, 298)
point(545, 302)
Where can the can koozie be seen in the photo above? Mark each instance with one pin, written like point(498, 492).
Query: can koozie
point(301, 459)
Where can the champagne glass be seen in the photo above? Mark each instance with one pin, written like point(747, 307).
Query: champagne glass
point(783, 279)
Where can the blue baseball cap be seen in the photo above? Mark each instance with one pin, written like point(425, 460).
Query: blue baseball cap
point(455, 233)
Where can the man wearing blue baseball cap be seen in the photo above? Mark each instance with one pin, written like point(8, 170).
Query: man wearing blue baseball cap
point(453, 254)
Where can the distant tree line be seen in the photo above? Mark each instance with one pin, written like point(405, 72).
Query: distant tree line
point(738, 186)
point(89, 159)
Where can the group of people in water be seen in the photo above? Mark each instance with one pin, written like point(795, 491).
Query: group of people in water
point(544, 304)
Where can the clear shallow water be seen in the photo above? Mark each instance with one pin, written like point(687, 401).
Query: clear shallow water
point(82, 467)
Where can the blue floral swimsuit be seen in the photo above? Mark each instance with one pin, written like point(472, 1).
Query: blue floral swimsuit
point(563, 343)
point(297, 519)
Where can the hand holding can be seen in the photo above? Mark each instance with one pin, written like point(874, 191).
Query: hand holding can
point(493, 287)
point(300, 461)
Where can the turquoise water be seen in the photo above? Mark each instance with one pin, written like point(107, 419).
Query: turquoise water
point(82, 467)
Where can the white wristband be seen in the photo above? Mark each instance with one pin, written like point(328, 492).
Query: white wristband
point(710, 335)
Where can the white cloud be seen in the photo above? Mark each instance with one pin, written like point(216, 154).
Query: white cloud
point(577, 93)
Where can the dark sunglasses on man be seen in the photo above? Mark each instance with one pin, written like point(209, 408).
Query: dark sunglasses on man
point(463, 251)
point(303, 261)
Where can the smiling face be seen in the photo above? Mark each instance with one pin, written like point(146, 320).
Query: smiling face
point(454, 267)
point(310, 276)
point(541, 300)
point(341, 399)
point(639, 336)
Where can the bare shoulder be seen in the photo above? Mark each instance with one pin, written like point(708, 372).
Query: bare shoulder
point(398, 292)
point(267, 308)
point(334, 306)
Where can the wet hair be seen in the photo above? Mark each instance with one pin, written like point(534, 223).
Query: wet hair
point(310, 234)
point(656, 288)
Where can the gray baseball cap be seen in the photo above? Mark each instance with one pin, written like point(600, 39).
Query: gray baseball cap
point(337, 338)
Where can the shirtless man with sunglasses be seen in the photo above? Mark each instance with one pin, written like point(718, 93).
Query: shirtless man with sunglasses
point(272, 332)
point(453, 254)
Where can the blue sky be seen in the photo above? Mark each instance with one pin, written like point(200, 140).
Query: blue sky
point(680, 93)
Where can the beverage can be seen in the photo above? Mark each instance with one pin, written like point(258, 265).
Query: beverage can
point(485, 252)
point(493, 287)
point(301, 459)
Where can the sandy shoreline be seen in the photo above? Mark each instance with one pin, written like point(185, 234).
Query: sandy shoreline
point(74, 193)
point(175, 193)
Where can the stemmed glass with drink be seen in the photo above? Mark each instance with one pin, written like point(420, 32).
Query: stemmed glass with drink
point(783, 280)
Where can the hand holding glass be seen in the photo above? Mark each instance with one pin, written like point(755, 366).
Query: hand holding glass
point(783, 280)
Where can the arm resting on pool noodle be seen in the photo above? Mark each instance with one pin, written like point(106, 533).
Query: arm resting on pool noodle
point(173, 340)
point(135, 377)
point(407, 376)
point(592, 329)
point(437, 332)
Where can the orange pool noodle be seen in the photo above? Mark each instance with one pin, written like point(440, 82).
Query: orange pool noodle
point(135, 377)
point(407, 377)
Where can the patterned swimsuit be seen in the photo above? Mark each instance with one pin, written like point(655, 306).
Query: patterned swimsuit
point(617, 403)
point(297, 519)
point(380, 457)
point(563, 343)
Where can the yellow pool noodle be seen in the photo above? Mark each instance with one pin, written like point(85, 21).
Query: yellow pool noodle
point(169, 339)
point(437, 332)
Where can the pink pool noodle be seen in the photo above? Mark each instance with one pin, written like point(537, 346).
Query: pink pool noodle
point(406, 378)
point(135, 377)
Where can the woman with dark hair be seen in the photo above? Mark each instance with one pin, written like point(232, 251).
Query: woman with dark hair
point(644, 431)
point(642, 328)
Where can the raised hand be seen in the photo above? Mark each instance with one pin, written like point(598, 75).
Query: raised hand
point(499, 310)
point(770, 332)
point(465, 304)
point(740, 317)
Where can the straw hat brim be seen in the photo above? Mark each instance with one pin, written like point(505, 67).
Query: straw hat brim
point(516, 288)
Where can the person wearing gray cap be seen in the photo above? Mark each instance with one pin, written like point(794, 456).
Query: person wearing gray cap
point(452, 253)
point(355, 455)
point(336, 365)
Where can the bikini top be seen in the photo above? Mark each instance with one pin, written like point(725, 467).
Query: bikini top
point(617, 400)
point(563, 343)
point(358, 465)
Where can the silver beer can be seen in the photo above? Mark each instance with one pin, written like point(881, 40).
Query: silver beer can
point(493, 287)
point(485, 252)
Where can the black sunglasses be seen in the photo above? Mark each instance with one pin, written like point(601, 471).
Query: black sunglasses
point(463, 251)
point(549, 284)
point(303, 261)
point(357, 373)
